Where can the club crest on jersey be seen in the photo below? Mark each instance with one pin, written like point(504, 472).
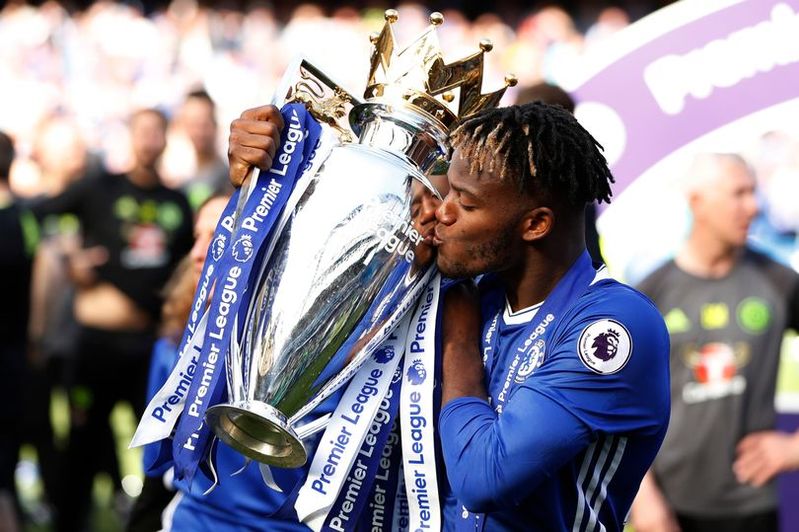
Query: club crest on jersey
point(417, 372)
point(243, 248)
point(605, 346)
point(533, 359)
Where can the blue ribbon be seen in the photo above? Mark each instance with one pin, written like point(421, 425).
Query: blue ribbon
point(369, 456)
point(379, 513)
point(262, 210)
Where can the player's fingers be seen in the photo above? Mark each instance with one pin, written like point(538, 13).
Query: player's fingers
point(268, 113)
point(251, 140)
point(256, 127)
point(243, 158)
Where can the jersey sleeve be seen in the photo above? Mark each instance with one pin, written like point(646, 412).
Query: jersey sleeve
point(496, 461)
point(610, 365)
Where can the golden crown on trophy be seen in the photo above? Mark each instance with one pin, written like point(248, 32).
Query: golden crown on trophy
point(419, 78)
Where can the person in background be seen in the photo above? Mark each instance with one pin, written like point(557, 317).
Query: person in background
point(726, 308)
point(210, 175)
point(60, 154)
point(20, 235)
point(134, 231)
point(555, 95)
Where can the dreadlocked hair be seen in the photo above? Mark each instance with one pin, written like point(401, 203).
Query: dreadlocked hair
point(541, 147)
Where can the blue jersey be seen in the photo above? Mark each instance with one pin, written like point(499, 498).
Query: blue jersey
point(239, 503)
point(572, 425)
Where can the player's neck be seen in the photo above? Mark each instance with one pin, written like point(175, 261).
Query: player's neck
point(706, 256)
point(540, 271)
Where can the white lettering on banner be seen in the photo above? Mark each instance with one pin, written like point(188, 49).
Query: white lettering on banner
point(228, 297)
point(416, 414)
point(293, 136)
point(261, 210)
point(355, 480)
point(361, 412)
point(378, 500)
point(724, 62)
point(167, 404)
point(401, 520)
point(378, 506)
point(199, 303)
point(208, 373)
point(228, 222)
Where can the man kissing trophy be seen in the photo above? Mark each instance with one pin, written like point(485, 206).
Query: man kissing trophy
point(320, 276)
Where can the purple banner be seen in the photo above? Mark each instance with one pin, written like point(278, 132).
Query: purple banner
point(686, 71)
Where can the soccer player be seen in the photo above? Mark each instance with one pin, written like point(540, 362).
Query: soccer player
point(556, 391)
point(554, 420)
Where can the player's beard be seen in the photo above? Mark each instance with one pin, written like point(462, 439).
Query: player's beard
point(488, 256)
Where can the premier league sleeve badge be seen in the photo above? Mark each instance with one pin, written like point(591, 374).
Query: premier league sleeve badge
point(605, 346)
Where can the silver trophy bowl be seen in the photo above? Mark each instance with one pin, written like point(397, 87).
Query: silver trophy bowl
point(346, 265)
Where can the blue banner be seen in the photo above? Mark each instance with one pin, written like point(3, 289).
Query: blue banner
point(262, 209)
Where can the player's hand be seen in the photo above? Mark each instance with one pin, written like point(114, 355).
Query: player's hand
point(763, 455)
point(254, 138)
point(462, 365)
point(651, 512)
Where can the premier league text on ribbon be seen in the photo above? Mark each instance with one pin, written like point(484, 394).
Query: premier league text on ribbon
point(379, 498)
point(418, 482)
point(344, 438)
point(358, 473)
point(174, 399)
point(421, 325)
point(231, 286)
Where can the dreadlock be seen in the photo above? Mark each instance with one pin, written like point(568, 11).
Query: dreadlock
point(541, 147)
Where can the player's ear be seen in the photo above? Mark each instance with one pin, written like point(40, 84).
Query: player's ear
point(537, 223)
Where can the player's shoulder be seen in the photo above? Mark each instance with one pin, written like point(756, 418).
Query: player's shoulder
point(608, 296)
point(608, 323)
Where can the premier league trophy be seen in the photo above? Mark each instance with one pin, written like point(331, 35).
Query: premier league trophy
point(350, 258)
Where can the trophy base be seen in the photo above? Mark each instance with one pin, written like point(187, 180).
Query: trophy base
point(258, 431)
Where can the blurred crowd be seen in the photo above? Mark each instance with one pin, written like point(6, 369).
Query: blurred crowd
point(89, 70)
point(73, 84)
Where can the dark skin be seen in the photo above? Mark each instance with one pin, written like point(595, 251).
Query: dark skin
point(540, 240)
point(484, 225)
point(253, 141)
